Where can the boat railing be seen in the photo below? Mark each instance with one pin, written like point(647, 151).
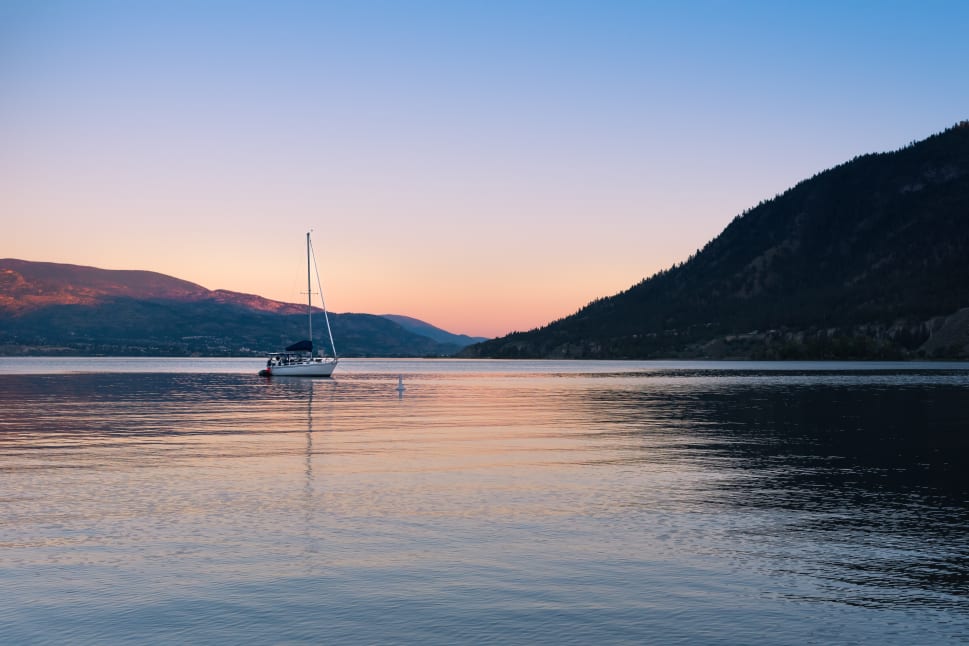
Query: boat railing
point(293, 358)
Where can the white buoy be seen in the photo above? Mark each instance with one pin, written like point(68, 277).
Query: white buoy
point(400, 383)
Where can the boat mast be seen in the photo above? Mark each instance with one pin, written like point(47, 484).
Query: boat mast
point(326, 317)
point(309, 292)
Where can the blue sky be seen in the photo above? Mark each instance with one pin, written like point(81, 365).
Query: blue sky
point(485, 166)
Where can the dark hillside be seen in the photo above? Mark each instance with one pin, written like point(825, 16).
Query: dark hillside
point(61, 309)
point(866, 260)
point(132, 327)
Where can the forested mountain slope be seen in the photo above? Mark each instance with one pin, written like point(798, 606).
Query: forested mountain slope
point(53, 308)
point(869, 259)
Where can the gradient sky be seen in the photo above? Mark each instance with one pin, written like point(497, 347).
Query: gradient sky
point(485, 166)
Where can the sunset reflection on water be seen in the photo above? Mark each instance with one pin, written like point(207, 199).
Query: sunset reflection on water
point(538, 501)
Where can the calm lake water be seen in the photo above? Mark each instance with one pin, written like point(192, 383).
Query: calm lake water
point(510, 502)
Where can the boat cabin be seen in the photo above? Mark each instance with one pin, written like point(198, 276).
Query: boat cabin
point(287, 358)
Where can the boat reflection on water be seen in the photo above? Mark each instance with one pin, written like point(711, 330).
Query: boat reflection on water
point(521, 501)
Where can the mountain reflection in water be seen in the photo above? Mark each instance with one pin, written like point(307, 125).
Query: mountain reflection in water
point(530, 501)
point(875, 475)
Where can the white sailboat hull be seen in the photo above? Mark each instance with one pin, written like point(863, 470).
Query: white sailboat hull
point(313, 368)
point(298, 360)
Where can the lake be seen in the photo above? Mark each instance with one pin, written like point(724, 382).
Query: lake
point(188, 500)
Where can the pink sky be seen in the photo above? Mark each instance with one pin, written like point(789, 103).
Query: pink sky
point(486, 168)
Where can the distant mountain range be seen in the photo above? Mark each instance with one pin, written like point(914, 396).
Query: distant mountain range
point(426, 329)
point(51, 308)
point(867, 260)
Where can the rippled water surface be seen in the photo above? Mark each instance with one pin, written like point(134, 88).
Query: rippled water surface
point(510, 502)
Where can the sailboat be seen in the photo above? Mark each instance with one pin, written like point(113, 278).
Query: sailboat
point(300, 359)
